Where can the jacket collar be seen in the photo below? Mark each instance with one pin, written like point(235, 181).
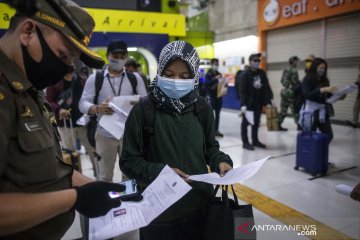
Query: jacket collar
point(13, 75)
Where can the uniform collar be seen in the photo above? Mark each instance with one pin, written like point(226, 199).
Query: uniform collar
point(14, 76)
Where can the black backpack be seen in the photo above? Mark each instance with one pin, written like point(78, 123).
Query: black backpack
point(148, 114)
point(237, 83)
point(99, 80)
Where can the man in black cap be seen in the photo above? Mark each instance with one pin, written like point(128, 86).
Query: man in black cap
point(255, 92)
point(116, 81)
point(133, 67)
point(38, 192)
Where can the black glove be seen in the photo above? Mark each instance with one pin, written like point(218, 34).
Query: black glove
point(93, 199)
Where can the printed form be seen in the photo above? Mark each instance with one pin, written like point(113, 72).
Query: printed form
point(233, 176)
point(163, 192)
point(115, 123)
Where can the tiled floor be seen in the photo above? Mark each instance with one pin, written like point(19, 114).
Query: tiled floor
point(277, 179)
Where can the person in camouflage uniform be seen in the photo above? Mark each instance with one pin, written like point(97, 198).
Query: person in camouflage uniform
point(289, 80)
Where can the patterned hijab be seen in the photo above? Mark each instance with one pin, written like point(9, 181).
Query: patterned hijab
point(172, 51)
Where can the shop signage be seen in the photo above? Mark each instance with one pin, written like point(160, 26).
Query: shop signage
point(280, 13)
point(122, 21)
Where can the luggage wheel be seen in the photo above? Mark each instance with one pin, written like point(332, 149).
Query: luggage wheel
point(296, 168)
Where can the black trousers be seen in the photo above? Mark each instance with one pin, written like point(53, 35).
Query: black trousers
point(324, 127)
point(254, 128)
point(216, 104)
point(186, 229)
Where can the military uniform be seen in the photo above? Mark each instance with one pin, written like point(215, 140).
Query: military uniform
point(289, 80)
point(30, 154)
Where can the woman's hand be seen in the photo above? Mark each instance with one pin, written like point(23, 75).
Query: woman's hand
point(182, 174)
point(224, 167)
point(329, 89)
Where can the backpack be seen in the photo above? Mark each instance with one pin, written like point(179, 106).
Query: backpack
point(237, 83)
point(148, 114)
point(99, 80)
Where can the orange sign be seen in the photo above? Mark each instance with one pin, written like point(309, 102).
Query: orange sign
point(280, 13)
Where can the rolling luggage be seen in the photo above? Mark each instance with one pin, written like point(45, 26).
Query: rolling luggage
point(71, 157)
point(312, 150)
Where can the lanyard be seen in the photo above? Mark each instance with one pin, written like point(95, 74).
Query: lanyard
point(112, 87)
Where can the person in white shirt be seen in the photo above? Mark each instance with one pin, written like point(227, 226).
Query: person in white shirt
point(116, 82)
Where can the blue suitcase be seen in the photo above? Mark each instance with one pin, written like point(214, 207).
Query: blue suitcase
point(312, 152)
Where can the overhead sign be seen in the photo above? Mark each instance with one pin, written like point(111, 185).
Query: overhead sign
point(122, 21)
point(280, 13)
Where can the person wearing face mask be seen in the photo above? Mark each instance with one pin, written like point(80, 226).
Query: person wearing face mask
point(211, 85)
point(290, 81)
point(39, 192)
point(316, 89)
point(64, 99)
point(255, 92)
point(178, 139)
point(116, 82)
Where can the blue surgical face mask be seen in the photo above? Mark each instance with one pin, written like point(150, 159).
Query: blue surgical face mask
point(320, 72)
point(255, 65)
point(175, 88)
point(116, 64)
point(215, 67)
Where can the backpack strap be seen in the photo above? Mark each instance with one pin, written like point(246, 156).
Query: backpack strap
point(201, 111)
point(148, 118)
point(133, 81)
point(99, 80)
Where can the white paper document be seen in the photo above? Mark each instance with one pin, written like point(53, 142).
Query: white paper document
point(233, 176)
point(115, 123)
point(346, 90)
point(163, 192)
point(123, 104)
point(83, 120)
point(344, 189)
point(250, 117)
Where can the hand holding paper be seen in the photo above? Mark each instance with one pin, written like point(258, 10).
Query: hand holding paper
point(233, 176)
point(163, 192)
point(338, 95)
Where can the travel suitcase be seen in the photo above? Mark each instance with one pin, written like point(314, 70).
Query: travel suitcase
point(72, 158)
point(312, 148)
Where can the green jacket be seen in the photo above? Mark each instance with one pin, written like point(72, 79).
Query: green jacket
point(289, 80)
point(178, 141)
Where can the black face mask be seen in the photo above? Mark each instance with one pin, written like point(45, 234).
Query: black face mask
point(48, 71)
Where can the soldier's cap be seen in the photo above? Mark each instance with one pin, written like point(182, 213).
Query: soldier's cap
point(293, 58)
point(117, 46)
point(254, 56)
point(52, 17)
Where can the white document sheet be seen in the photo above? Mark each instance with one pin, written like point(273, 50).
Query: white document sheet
point(346, 90)
point(250, 117)
point(115, 123)
point(123, 104)
point(163, 192)
point(233, 176)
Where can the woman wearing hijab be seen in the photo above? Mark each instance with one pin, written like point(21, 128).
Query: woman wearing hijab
point(179, 140)
point(316, 88)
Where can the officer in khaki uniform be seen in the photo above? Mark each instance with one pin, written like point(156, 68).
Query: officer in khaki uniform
point(38, 192)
